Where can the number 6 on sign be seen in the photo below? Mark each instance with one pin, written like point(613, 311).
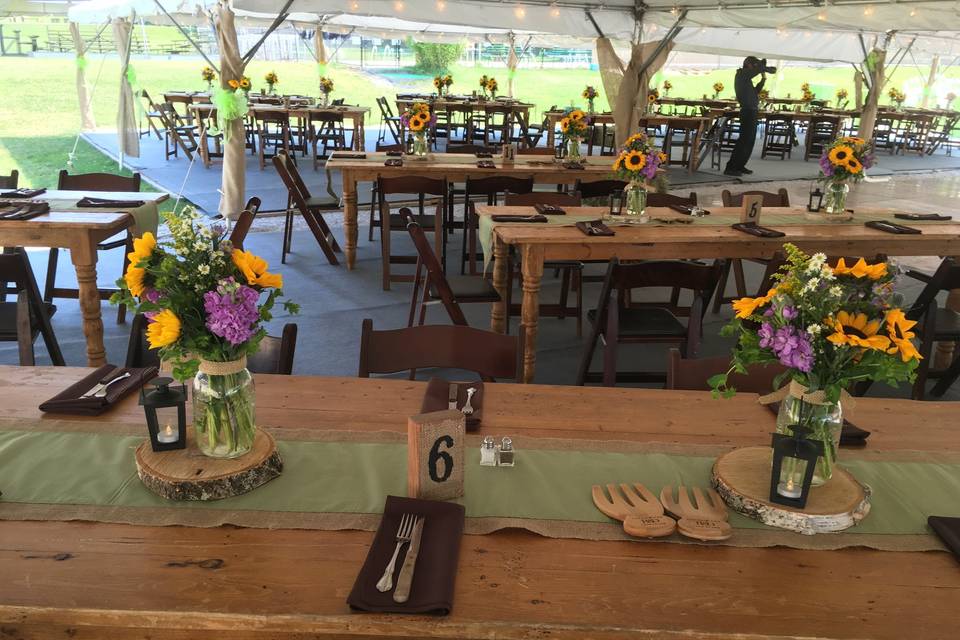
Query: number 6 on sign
point(435, 455)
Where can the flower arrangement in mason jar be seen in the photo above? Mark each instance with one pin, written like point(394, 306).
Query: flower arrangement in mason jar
point(652, 96)
point(418, 120)
point(208, 75)
point(442, 84)
point(573, 129)
point(326, 88)
point(492, 87)
point(842, 98)
point(667, 85)
point(842, 162)
point(272, 80)
point(717, 89)
point(590, 95)
point(764, 96)
point(637, 163)
point(897, 97)
point(831, 327)
point(206, 303)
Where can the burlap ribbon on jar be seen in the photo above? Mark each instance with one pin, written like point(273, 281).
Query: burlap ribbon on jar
point(801, 392)
point(212, 368)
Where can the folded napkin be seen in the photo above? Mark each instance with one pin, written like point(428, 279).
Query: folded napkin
point(393, 162)
point(595, 228)
point(24, 211)
point(757, 230)
point(537, 217)
point(572, 165)
point(850, 434)
point(104, 203)
point(394, 154)
point(549, 209)
point(483, 154)
point(340, 155)
point(486, 164)
point(23, 193)
point(938, 217)
point(891, 227)
point(949, 531)
point(436, 570)
point(69, 400)
point(436, 398)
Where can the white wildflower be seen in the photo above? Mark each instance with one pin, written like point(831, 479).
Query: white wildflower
point(836, 291)
point(827, 273)
point(817, 261)
point(814, 329)
point(201, 245)
point(204, 269)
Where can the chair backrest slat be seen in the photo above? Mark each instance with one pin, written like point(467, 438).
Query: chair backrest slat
point(693, 374)
point(599, 188)
point(97, 182)
point(10, 181)
point(435, 276)
point(779, 199)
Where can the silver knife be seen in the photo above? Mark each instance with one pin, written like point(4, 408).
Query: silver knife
point(402, 592)
point(452, 393)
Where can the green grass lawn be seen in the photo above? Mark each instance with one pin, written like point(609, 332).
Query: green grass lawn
point(40, 117)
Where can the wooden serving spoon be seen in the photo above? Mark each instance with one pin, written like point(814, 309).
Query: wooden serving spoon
point(638, 509)
point(705, 520)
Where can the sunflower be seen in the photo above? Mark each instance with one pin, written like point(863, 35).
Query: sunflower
point(853, 139)
point(652, 98)
point(861, 269)
point(142, 248)
point(746, 307)
point(164, 330)
point(661, 156)
point(840, 154)
point(899, 330)
point(417, 123)
point(564, 124)
point(856, 330)
point(634, 138)
point(245, 83)
point(233, 84)
point(576, 114)
point(254, 269)
point(135, 280)
point(634, 161)
point(854, 166)
point(618, 163)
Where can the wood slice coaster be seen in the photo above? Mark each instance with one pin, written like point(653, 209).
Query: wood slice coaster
point(187, 474)
point(742, 478)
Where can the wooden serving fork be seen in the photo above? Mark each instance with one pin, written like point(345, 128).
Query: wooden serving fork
point(705, 520)
point(638, 509)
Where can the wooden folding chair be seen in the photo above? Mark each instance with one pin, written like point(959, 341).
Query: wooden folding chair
point(309, 207)
point(413, 186)
point(29, 316)
point(693, 374)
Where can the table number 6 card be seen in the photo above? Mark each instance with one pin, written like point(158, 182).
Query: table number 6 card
point(435, 453)
point(752, 204)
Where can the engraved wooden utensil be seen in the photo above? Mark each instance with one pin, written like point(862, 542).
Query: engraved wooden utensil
point(403, 536)
point(638, 509)
point(705, 520)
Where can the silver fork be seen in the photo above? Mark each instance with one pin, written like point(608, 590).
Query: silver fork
point(403, 536)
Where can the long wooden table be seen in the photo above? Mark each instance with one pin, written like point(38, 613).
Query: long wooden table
point(453, 167)
point(79, 230)
point(96, 580)
point(538, 243)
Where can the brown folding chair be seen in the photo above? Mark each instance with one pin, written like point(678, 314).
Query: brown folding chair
point(10, 181)
point(92, 182)
point(666, 199)
point(935, 324)
point(821, 131)
point(492, 188)
point(23, 320)
point(152, 114)
point(770, 199)
point(490, 355)
point(599, 188)
point(616, 323)
point(437, 287)
point(178, 133)
point(778, 137)
point(311, 208)
point(693, 374)
point(272, 129)
point(420, 187)
point(327, 134)
point(241, 226)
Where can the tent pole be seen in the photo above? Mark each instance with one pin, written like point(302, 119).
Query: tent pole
point(928, 87)
point(875, 59)
point(595, 25)
point(667, 39)
point(273, 27)
point(187, 36)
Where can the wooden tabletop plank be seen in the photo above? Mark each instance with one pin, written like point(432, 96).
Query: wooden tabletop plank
point(97, 580)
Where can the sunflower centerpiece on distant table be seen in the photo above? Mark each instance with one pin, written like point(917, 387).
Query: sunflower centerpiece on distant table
point(326, 88)
point(843, 162)
point(638, 163)
point(574, 126)
point(418, 120)
point(590, 95)
point(208, 75)
point(272, 81)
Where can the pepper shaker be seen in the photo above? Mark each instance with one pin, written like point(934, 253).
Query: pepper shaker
point(488, 452)
point(505, 457)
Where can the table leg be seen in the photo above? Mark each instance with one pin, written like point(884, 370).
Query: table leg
point(350, 218)
point(501, 281)
point(85, 262)
point(530, 311)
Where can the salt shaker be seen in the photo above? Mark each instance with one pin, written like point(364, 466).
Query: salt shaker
point(488, 452)
point(506, 453)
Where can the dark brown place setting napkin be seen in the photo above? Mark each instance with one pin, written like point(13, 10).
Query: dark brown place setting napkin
point(506, 217)
point(435, 398)
point(891, 227)
point(69, 400)
point(106, 203)
point(24, 210)
point(595, 228)
point(948, 529)
point(341, 155)
point(393, 162)
point(486, 164)
point(549, 209)
point(757, 230)
point(23, 192)
point(436, 569)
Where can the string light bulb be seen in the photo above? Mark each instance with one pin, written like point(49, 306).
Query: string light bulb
point(822, 16)
point(554, 10)
point(354, 6)
point(398, 5)
point(520, 12)
point(913, 12)
point(441, 5)
point(868, 11)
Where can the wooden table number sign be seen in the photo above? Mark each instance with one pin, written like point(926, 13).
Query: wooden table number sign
point(752, 204)
point(435, 443)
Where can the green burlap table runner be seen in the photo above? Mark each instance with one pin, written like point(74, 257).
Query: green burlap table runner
point(145, 217)
point(768, 218)
point(339, 480)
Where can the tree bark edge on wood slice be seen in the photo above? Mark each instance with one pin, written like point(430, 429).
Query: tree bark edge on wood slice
point(187, 474)
point(742, 478)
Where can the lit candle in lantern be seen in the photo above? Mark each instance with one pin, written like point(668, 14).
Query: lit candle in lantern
point(167, 435)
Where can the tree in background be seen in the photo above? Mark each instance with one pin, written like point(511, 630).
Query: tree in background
point(434, 58)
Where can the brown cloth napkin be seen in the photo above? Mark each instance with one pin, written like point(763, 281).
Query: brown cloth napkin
point(595, 228)
point(436, 568)
point(105, 203)
point(24, 211)
point(850, 434)
point(69, 400)
point(23, 192)
point(549, 209)
point(486, 164)
point(949, 531)
point(537, 217)
point(393, 162)
point(435, 399)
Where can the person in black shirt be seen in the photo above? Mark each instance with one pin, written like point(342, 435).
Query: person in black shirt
point(748, 95)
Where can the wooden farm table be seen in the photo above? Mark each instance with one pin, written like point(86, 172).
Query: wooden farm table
point(453, 167)
point(96, 580)
point(79, 230)
point(536, 243)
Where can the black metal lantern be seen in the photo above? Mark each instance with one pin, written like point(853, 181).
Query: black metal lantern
point(815, 201)
point(166, 411)
point(794, 461)
point(559, 152)
point(617, 199)
point(408, 147)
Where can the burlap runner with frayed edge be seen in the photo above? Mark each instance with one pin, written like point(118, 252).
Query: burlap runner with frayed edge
point(173, 515)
